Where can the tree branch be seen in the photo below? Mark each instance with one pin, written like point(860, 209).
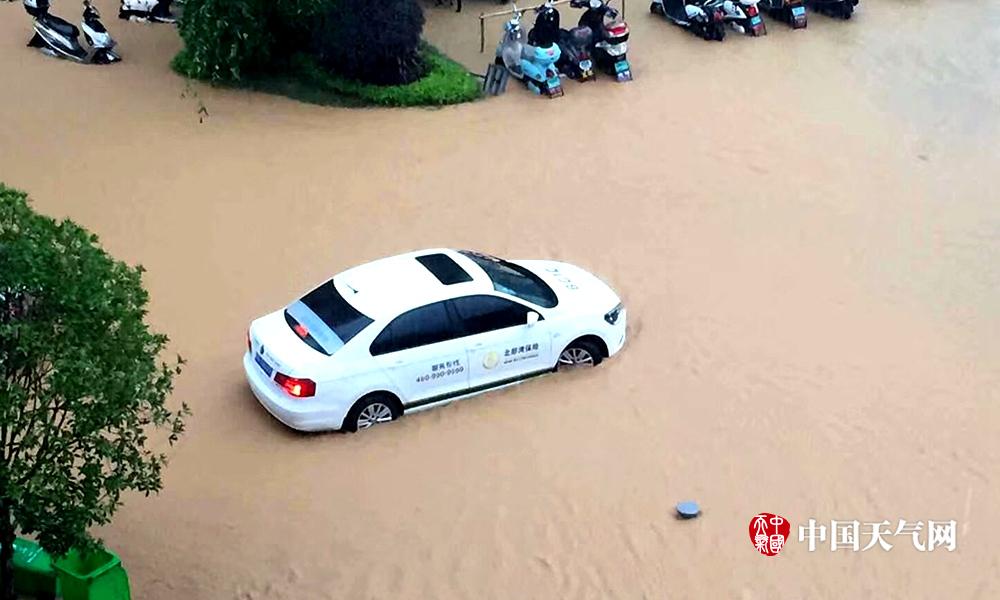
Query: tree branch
point(33, 386)
point(40, 456)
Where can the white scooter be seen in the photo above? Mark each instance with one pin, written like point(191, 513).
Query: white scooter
point(155, 11)
point(700, 17)
point(59, 38)
point(97, 36)
point(744, 17)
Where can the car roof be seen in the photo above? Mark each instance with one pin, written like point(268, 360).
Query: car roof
point(385, 288)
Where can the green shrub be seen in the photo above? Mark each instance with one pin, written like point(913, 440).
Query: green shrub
point(292, 22)
point(268, 45)
point(446, 82)
point(224, 39)
point(372, 41)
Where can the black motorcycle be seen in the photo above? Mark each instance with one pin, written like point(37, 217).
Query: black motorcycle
point(575, 60)
point(574, 56)
point(841, 9)
point(609, 40)
point(792, 12)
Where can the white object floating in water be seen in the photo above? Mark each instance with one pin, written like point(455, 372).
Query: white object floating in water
point(688, 510)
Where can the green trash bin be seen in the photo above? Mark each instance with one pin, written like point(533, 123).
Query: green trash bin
point(33, 572)
point(98, 575)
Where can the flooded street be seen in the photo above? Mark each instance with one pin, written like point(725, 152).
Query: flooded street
point(804, 229)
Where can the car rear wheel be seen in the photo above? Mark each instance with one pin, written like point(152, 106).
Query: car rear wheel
point(581, 353)
point(371, 411)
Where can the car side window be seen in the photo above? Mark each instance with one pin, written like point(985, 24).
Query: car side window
point(419, 327)
point(481, 314)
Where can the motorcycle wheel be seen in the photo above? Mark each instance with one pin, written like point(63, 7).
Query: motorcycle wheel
point(656, 8)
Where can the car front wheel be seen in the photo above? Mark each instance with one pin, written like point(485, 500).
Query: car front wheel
point(581, 353)
point(371, 411)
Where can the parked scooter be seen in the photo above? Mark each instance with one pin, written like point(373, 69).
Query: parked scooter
point(574, 58)
point(842, 9)
point(575, 61)
point(534, 65)
point(609, 43)
point(792, 12)
point(60, 38)
point(707, 22)
point(156, 11)
point(97, 36)
point(744, 17)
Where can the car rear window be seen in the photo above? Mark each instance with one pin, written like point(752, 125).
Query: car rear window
point(324, 319)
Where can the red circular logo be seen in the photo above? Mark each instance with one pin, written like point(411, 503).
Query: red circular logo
point(768, 533)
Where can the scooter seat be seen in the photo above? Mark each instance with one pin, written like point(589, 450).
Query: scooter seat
point(60, 26)
point(578, 36)
point(675, 9)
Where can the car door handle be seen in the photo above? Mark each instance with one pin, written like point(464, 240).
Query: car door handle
point(479, 345)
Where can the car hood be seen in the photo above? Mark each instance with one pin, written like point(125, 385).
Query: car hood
point(577, 290)
point(282, 348)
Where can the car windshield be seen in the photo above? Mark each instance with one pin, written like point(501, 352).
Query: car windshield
point(324, 320)
point(515, 280)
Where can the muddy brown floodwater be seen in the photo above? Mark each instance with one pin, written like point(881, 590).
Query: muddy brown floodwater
point(804, 227)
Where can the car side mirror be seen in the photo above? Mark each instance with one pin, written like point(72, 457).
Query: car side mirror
point(532, 318)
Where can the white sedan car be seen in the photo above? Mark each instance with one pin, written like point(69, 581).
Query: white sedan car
point(421, 329)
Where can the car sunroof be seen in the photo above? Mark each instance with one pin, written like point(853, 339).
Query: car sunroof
point(444, 268)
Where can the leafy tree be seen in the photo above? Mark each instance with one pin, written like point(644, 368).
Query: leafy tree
point(292, 23)
point(82, 388)
point(224, 39)
point(372, 41)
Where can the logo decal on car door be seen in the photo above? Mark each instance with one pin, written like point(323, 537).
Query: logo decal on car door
point(491, 360)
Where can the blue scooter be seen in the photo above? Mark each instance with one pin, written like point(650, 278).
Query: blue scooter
point(534, 65)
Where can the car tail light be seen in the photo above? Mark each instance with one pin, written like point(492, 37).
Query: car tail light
point(300, 388)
